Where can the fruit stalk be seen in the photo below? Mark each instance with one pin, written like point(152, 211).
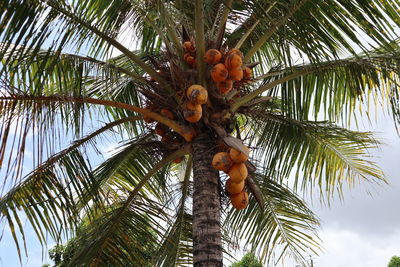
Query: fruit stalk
point(185, 131)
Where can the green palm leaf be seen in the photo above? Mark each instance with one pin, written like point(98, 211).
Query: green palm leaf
point(320, 154)
point(176, 246)
point(286, 225)
point(120, 217)
point(317, 30)
point(134, 240)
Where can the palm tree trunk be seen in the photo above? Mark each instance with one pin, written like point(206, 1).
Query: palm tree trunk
point(207, 244)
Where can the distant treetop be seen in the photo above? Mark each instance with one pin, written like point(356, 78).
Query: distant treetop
point(248, 260)
point(394, 262)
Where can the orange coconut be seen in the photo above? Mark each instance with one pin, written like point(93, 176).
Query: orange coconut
point(186, 55)
point(197, 94)
point(221, 161)
point(167, 113)
point(236, 74)
point(188, 46)
point(238, 172)
point(193, 112)
point(160, 129)
point(247, 73)
point(240, 201)
point(233, 61)
point(238, 156)
point(189, 58)
point(235, 51)
point(234, 188)
point(225, 86)
point(212, 56)
point(219, 73)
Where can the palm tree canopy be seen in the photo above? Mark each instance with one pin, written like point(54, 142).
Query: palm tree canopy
point(65, 69)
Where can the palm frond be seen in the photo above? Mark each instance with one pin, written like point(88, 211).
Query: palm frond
point(133, 241)
point(47, 198)
point(315, 30)
point(286, 226)
point(120, 217)
point(218, 30)
point(65, 187)
point(124, 170)
point(176, 246)
point(77, 21)
point(333, 88)
point(320, 154)
point(43, 116)
point(44, 73)
point(339, 88)
point(48, 66)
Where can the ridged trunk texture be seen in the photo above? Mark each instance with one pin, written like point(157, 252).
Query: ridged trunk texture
point(207, 243)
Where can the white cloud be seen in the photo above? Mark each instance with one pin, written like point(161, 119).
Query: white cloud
point(344, 248)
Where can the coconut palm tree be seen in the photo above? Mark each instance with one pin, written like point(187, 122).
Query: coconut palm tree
point(123, 67)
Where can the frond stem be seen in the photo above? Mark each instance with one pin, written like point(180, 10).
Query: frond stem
point(200, 42)
point(274, 27)
point(246, 35)
point(183, 200)
point(247, 98)
point(222, 23)
point(184, 130)
point(302, 70)
point(113, 66)
point(171, 31)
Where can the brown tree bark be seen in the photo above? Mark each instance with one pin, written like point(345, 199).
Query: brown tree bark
point(207, 243)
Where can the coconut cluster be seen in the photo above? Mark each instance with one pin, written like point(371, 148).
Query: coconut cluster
point(227, 71)
point(233, 163)
point(196, 96)
point(228, 68)
point(190, 53)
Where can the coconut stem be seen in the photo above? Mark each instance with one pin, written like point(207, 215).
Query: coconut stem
point(186, 131)
point(247, 98)
point(200, 42)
